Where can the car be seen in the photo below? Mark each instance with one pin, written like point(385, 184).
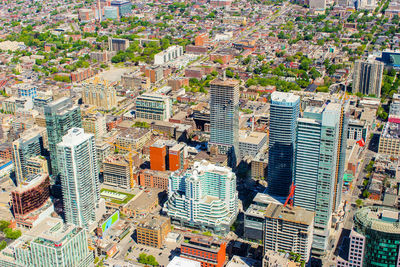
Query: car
point(159, 254)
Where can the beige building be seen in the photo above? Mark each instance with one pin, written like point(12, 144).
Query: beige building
point(259, 166)
point(95, 124)
point(100, 94)
point(135, 81)
point(389, 141)
point(133, 138)
point(116, 172)
point(152, 231)
point(37, 165)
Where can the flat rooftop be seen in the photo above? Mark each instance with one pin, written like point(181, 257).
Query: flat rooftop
point(284, 97)
point(254, 138)
point(391, 130)
point(294, 214)
point(153, 222)
point(224, 82)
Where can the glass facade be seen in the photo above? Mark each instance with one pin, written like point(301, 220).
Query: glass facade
point(380, 227)
point(284, 111)
point(61, 115)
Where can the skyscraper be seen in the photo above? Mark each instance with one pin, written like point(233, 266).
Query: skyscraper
point(79, 177)
point(29, 145)
point(317, 166)
point(284, 111)
point(367, 77)
point(224, 117)
point(61, 115)
point(204, 197)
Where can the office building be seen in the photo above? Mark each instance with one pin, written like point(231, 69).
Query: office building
point(377, 238)
point(116, 171)
point(115, 44)
point(251, 143)
point(135, 81)
point(79, 177)
point(284, 111)
point(124, 7)
point(61, 115)
point(224, 118)
point(288, 229)
point(152, 231)
point(353, 257)
point(318, 172)
point(367, 77)
point(29, 145)
point(51, 243)
point(153, 179)
point(153, 106)
point(203, 197)
point(168, 55)
point(100, 94)
point(132, 138)
point(209, 251)
point(168, 155)
point(95, 124)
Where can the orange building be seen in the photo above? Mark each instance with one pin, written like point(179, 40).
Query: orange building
point(209, 251)
point(177, 157)
point(201, 39)
point(158, 157)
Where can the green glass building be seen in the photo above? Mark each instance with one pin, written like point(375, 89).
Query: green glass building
point(380, 227)
point(61, 115)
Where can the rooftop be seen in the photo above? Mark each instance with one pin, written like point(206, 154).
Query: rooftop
point(294, 214)
point(391, 130)
point(251, 137)
point(153, 222)
point(224, 82)
point(379, 218)
point(284, 97)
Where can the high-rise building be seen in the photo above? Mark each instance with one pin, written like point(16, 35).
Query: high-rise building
point(79, 177)
point(318, 172)
point(100, 94)
point(224, 117)
point(61, 115)
point(367, 77)
point(124, 7)
point(167, 155)
point(375, 238)
point(29, 145)
point(153, 107)
point(51, 243)
point(288, 229)
point(116, 44)
point(284, 111)
point(116, 171)
point(204, 197)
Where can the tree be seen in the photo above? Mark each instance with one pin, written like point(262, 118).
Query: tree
point(366, 193)
point(359, 202)
point(3, 245)
point(3, 225)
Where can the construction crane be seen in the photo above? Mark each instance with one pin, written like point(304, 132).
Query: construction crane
point(130, 150)
point(290, 197)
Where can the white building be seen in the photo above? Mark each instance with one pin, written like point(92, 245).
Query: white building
point(170, 54)
point(203, 197)
point(77, 162)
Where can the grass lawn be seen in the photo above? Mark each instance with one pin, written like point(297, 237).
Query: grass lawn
point(116, 201)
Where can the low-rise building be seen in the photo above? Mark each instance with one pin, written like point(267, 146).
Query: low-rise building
point(251, 143)
point(152, 231)
point(116, 172)
point(389, 141)
point(133, 138)
point(154, 107)
point(168, 55)
point(209, 251)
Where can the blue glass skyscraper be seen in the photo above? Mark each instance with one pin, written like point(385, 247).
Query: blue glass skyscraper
point(284, 111)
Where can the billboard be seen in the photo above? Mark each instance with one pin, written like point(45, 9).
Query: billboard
point(110, 221)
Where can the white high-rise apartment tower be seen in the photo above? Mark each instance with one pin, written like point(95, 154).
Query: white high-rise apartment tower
point(79, 177)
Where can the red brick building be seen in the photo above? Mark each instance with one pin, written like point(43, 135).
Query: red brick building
point(209, 251)
point(153, 179)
